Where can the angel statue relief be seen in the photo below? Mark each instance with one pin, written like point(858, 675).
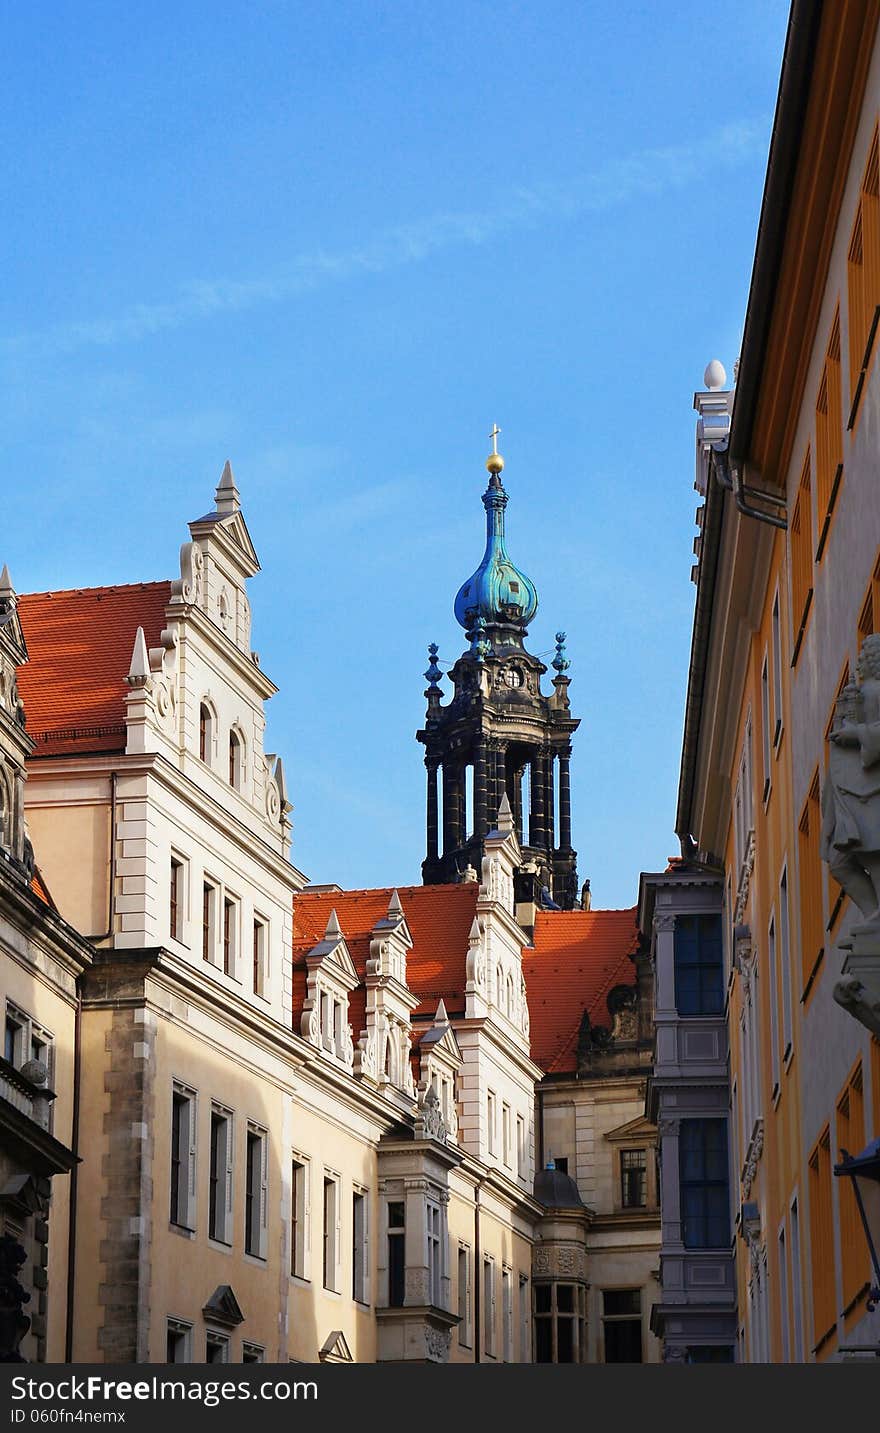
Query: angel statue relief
point(850, 839)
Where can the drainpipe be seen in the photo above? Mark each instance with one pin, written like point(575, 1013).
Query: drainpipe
point(730, 477)
point(74, 1144)
point(478, 1275)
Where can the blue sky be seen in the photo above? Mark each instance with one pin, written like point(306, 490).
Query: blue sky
point(336, 244)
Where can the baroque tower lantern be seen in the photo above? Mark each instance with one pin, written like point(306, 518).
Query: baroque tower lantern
point(500, 733)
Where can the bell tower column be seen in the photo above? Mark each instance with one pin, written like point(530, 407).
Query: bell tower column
point(565, 799)
point(432, 763)
point(481, 791)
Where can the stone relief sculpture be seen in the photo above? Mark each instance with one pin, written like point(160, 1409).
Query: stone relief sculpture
point(850, 840)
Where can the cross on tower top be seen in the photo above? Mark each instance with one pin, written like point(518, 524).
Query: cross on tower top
point(494, 436)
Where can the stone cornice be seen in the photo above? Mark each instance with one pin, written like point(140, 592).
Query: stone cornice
point(246, 668)
point(43, 927)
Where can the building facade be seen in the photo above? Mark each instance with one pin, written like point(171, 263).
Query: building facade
point(788, 562)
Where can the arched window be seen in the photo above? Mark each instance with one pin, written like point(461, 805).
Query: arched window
point(236, 748)
point(510, 997)
point(206, 732)
point(389, 1059)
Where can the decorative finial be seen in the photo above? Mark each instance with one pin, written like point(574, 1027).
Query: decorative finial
point(480, 644)
point(226, 497)
point(433, 674)
point(560, 661)
point(495, 462)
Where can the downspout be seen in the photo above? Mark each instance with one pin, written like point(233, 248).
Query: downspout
point(539, 1122)
point(730, 477)
point(478, 1281)
point(74, 1144)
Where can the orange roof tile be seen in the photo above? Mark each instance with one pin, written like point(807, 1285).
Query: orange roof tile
point(439, 920)
point(39, 888)
point(79, 648)
point(577, 959)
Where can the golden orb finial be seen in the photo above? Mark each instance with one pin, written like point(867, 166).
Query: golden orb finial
point(495, 462)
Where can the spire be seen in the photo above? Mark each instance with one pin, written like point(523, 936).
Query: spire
point(505, 816)
point(433, 674)
point(334, 930)
point(6, 588)
point(441, 1018)
point(498, 591)
point(139, 671)
point(226, 498)
point(395, 909)
point(560, 661)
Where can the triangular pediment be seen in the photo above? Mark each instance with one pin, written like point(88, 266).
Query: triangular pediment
point(223, 1307)
point(639, 1128)
point(231, 532)
point(332, 954)
point(11, 634)
point(335, 1349)
point(440, 1040)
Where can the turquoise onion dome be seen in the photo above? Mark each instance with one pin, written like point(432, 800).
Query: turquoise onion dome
point(498, 592)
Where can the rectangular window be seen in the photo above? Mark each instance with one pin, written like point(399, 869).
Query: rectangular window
point(863, 277)
point(520, 1147)
point(216, 1347)
point(299, 1198)
point(183, 1156)
point(252, 1353)
point(633, 1178)
point(699, 977)
point(773, 978)
point(810, 883)
point(703, 1178)
point(331, 1231)
point(359, 1250)
point(829, 436)
point(777, 672)
point(507, 1314)
point(766, 734)
point(524, 1350)
point(490, 1121)
point(622, 1325)
point(256, 1192)
point(561, 1163)
point(259, 956)
point(851, 1138)
point(176, 898)
point(230, 935)
point(801, 539)
point(396, 1253)
point(822, 1240)
point(783, 1297)
point(13, 1040)
point(25, 1040)
point(435, 1267)
point(178, 1344)
point(220, 1176)
point(209, 917)
point(464, 1296)
point(505, 1134)
point(798, 1329)
point(489, 1307)
point(785, 964)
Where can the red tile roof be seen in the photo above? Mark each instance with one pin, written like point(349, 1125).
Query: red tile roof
point(577, 959)
point(39, 888)
point(439, 920)
point(79, 647)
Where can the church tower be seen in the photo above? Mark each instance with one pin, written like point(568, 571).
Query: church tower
point(500, 733)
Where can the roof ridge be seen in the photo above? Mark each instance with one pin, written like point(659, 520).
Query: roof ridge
point(380, 890)
point(82, 591)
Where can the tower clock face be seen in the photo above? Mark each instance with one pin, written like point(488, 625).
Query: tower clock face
point(511, 677)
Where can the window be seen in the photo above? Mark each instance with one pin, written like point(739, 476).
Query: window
point(230, 934)
point(24, 1039)
point(299, 1215)
point(782, 1254)
point(435, 1257)
point(183, 1156)
point(560, 1320)
point(777, 672)
point(773, 978)
point(178, 1344)
point(13, 1039)
point(863, 278)
point(801, 535)
point(206, 733)
point(259, 956)
point(713, 1352)
point(622, 1325)
point(505, 1134)
point(252, 1353)
point(822, 1241)
point(703, 1178)
point(785, 963)
point(798, 1329)
point(331, 1231)
point(235, 760)
point(743, 805)
point(560, 1162)
point(524, 1320)
point(520, 1147)
point(220, 1176)
point(216, 1347)
point(766, 734)
point(464, 1296)
point(209, 901)
point(633, 1178)
point(810, 884)
point(829, 435)
point(359, 1251)
point(490, 1121)
point(177, 896)
point(489, 1311)
point(396, 1253)
point(851, 1138)
point(699, 984)
point(256, 1192)
point(507, 1314)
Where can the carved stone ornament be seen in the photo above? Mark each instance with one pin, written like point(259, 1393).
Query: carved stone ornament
point(188, 586)
point(753, 1155)
point(365, 1056)
point(348, 1047)
point(850, 835)
point(668, 1126)
point(429, 1117)
point(437, 1343)
point(416, 1286)
point(664, 922)
point(672, 1353)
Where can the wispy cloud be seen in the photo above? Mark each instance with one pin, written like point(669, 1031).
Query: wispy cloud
point(650, 171)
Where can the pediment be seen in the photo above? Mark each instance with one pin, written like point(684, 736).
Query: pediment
point(638, 1129)
point(332, 954)
point(335, 1349)
point(440, 1040)
point(231, 532)
point(11, 633)
point(223, 1307)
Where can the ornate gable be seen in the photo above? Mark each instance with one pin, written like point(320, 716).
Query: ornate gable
point(223, 1307)
point(384, 1044)
point(440, 1061)
point(331, 978)
point(640, 1130)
